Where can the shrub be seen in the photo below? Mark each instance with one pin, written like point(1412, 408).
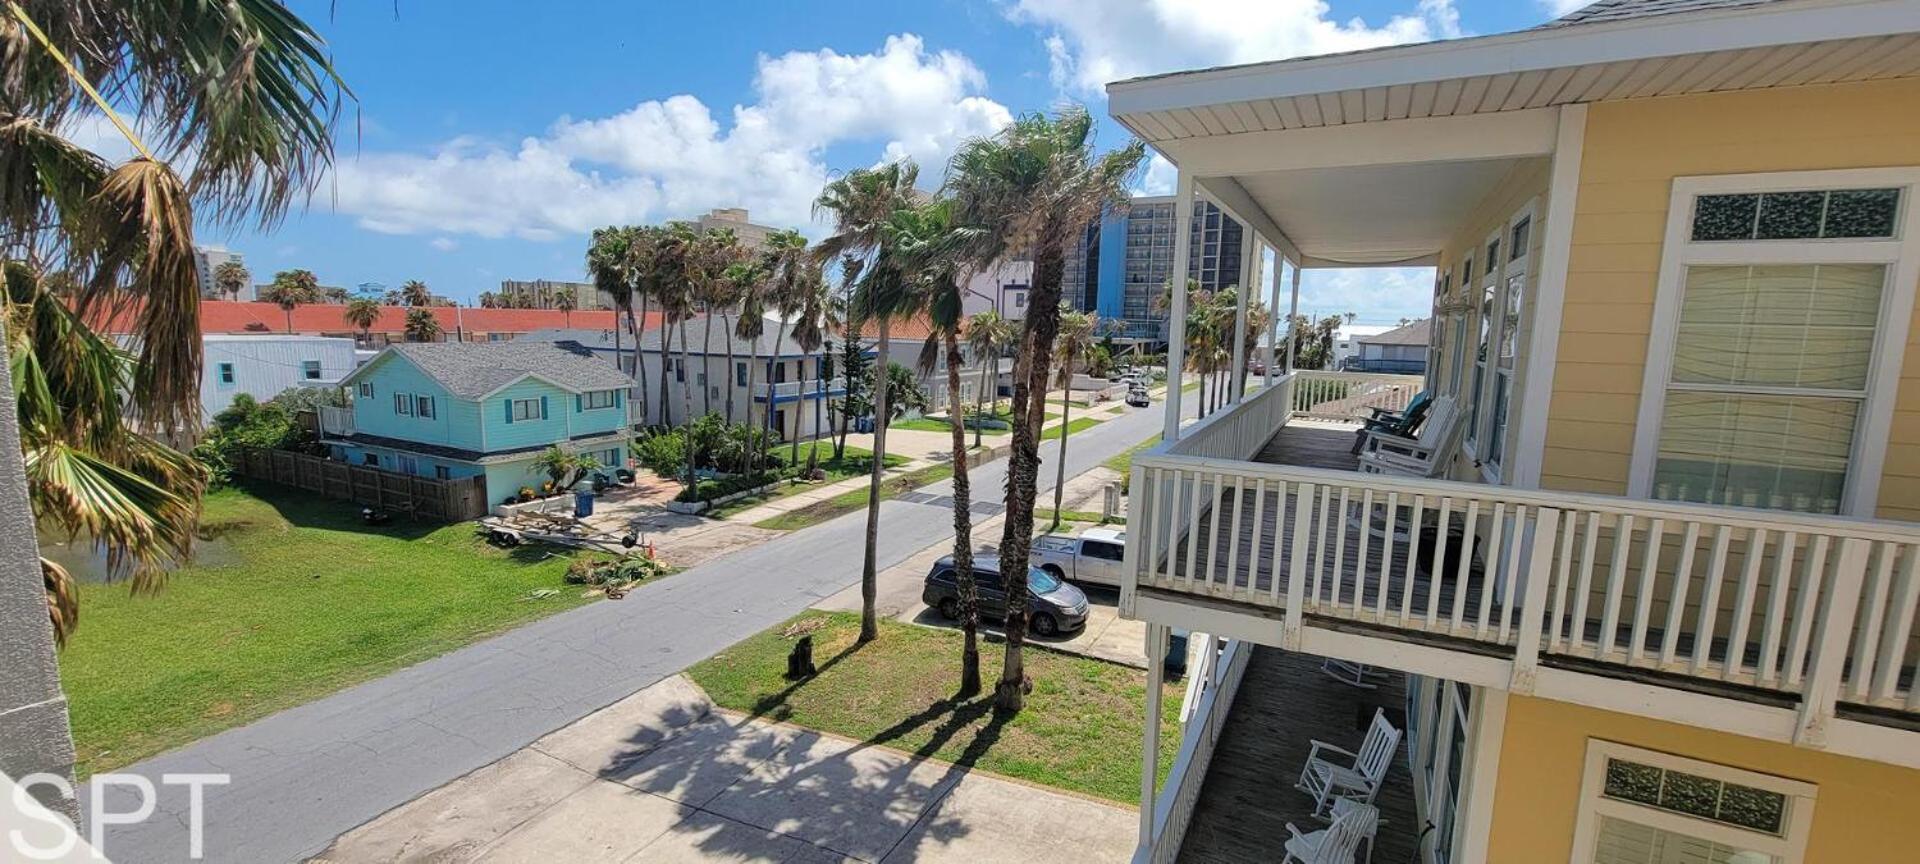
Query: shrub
point(716, 487)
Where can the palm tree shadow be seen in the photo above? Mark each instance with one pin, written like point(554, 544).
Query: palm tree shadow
point(775, 704)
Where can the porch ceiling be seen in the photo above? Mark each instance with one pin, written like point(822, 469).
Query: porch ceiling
point(1377, 214)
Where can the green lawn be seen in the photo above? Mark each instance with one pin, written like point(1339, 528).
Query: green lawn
point(855, 463)
point(305, 601)
point(1123, 462)
point(847, 502)
point(1080, 730)
point(1077, 424)
point(929, 424)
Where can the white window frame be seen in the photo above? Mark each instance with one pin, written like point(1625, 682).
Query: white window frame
point(423, 407)
point(366, 389)
point(1479, 368)
point(1509, 264)
point(532, 413)
point(403, 404)
point(588, 399)
point(1900, 254)
point(311, 370)
point(1790, 848)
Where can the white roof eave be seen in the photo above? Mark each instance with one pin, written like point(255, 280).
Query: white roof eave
point(1784, 23)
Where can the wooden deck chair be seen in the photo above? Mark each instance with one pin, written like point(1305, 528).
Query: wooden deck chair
point(1337, 843)
point(1342, 773)
point(1423, 455)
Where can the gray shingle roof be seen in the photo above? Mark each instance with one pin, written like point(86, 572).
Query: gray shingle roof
point(470, 370)
point(1416, 333)
point(1624, 10)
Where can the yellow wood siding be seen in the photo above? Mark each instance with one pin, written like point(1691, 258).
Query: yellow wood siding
point(1632, 152)
point(1858, 811)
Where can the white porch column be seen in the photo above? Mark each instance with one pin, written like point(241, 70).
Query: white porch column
point(1177, 314)
point(1150, 752)
point(1293, 350)
point(1238, 380)
point(1276, 323)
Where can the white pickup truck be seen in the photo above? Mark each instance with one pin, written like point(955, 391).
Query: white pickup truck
point(1095, 557)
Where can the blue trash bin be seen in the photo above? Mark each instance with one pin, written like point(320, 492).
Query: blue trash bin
point(582, 504)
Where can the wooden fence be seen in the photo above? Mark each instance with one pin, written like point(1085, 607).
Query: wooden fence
point(452, 500)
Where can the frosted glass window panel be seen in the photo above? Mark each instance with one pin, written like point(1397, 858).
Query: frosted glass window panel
point(1790, 215)
point(1777, 452)
point(1802, 326)
point(1821, 214)
point(1620, 841)
point(1861, 213)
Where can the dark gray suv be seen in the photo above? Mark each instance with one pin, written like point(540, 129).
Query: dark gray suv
point(1053, 605)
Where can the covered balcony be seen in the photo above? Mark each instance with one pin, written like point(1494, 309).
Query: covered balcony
point(791, 391)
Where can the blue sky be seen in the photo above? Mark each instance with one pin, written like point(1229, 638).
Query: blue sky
point(489, 137)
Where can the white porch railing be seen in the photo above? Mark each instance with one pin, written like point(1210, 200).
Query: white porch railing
point(1240, 431)
point(336, 421)
point(1215, 680)
point(790, 389)
point(1351, 395)
point(1821, 609)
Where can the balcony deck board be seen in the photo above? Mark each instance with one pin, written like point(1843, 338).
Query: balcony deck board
point(1248, 797)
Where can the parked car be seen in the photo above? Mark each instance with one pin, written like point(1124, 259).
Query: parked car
point(1137, 396)
point(1095, 556)
point(1053, 606)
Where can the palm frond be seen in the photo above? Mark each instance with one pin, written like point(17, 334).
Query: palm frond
point(140, 525)
point(145, 269)
point(63, 600)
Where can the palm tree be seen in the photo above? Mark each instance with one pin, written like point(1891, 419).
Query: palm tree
point(1075, 339)
point(713, 253)
point(122, 235)
point(1033, 186)
point(231, 277)
point(933, 250)
point(864, 203)
point(611, 261)
point(413, 292)
point(362, 312)
point(565, 301)
point(291, 288)
point(785, 259)
point(987, 335)
point(817, 312)
point(749, 279)
point(422, 326)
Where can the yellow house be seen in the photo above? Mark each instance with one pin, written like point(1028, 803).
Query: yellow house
point(1644, 585)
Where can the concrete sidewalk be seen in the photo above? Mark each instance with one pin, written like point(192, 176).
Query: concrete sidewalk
point(662, 776)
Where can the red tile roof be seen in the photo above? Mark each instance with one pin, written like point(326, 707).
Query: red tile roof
point(229, 316)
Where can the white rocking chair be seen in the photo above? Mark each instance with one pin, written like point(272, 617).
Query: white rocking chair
point(1352, 674)
point(1357, 777)
point(1337, 843)
point(1424, 455)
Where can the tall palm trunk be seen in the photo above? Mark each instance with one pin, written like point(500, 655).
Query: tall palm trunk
point(666, 338)
point(793, 441)
point(687, 400)
point(963, 529)
point(753, 369)
point(726, 330)
point(706, 363)
point(639, 356)
point(1023, 463)
point(1066, 407)
point(869, 584)
point(989, 370)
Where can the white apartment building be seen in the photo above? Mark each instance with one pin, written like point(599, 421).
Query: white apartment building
point(264, 366)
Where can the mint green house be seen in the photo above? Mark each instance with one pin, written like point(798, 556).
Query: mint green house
point(460, 409)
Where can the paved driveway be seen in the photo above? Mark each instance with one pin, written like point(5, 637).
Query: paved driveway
point(662, 777)
point(302, 777)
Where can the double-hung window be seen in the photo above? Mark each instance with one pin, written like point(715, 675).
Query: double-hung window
point(403, 404)
point(526, 409)
point(310, 369)
point(366, 389)
point(1781, 315)
point(596, 399)
point(226, 373)
point(1645, 807)
point(423, 407)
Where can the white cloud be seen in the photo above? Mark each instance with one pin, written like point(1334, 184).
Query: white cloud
point(1159, 178)
point(444, 244)
point(1378, 295)
point(672, 157)
point(1562, 7)
point(1092, 42)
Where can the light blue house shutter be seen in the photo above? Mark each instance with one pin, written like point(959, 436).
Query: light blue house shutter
point(543, 407)
point(509, 410)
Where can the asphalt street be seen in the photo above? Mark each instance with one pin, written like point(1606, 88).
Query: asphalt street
point(307, 774)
